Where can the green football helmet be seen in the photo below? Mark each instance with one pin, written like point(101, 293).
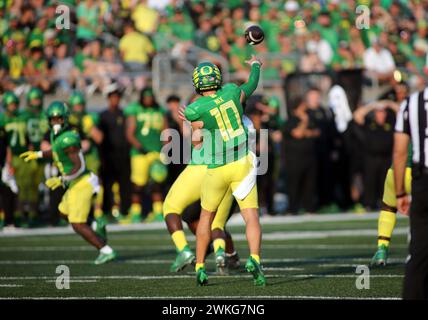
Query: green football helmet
point(77, 98)
point(10, 98)
point(58, 109)
point(158, 171)
point(76, 114)
point(35, 94)
point(206, 76)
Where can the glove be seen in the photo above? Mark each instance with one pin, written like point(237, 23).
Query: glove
point(54, 183)
point(87, 124)
point(8, 179)
point(30, 155)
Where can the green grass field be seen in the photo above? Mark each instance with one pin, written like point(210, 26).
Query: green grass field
point(304, 258)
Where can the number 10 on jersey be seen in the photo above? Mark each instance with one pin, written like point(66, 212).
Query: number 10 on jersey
point(228, 120)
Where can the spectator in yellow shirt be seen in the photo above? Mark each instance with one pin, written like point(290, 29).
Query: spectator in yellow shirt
point(145, 18)
point(135, 48)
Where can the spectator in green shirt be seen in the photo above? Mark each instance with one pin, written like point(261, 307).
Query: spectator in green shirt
point(343, 59)
point(239, 53)
point(327, 30)
point(205, 36)
point(182, 26)
point(88, 20)
point(36, 68)
point(290, 58)
point(416, 65)
point(272, 28)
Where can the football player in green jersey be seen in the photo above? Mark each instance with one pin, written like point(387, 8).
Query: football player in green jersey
point(145, 122)
point(36, 127)
point(85, 124)
point(17, 139)
point(80, 183)
point(217, 125)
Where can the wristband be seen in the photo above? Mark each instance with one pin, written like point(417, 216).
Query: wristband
point(401, 195)
point(39, 154)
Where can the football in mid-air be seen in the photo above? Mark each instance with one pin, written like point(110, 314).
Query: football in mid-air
point(254, 35)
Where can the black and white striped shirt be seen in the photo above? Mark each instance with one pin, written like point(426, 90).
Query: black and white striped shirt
point(412, 119)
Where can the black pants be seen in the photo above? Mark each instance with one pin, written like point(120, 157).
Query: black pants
point(375, 169)
point(116, 171)
point(55, 197)
point(301, 174)
point(325, 181)
point(416, 278)
point(7, 203)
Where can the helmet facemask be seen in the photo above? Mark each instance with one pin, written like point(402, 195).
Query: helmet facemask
point(57, 114)
point(58, 125)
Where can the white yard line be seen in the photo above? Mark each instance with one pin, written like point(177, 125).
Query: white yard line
point(338, 265)
point(283, 269)
point(202, 298)
point(283, 235)
point(236, 220)
point(56, 262)
point(11, 285)
point(164, 261)
point(77, 280)
point(155, 247)
point(191, 276)
point(324, 234)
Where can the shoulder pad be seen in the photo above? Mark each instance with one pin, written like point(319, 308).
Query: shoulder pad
point(69, 139)
point(132, 109)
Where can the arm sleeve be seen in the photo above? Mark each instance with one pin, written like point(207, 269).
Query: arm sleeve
point(191, 114)
point(250, 86)
point(402, 122)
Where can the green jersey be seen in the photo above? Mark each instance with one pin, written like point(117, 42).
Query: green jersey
point(16, 131)
point(60, 144)
point(224, 136)
point(149, 125)
point(36, 125)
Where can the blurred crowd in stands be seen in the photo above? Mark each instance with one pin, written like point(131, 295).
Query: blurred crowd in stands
point(107, 39)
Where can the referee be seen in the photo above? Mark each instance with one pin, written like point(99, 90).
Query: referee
point(411, 126)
